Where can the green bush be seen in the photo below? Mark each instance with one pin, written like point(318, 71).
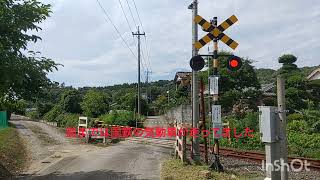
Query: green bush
point(123, 118)
point(297, 126)
point(95, 103)
point(250, 120)
point(33, 115)
point(295, 117)
point(247, 143)
point(302, 144)
point(53, 113)
point(68, 120)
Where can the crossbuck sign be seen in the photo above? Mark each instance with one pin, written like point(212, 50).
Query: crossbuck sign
point(216, 32)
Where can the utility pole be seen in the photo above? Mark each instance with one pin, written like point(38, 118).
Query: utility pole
point(283, 127)
point(195, 89)
point(139, 56)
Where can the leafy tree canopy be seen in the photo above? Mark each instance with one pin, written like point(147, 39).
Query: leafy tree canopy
point(95, 103)
point(23, 75)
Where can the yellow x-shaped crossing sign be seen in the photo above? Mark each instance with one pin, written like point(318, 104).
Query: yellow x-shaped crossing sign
point(216, 32)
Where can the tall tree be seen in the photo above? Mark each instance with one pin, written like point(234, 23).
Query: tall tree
point(95, 103)
point(70, 101)
point(23, 75)
point(296, 83)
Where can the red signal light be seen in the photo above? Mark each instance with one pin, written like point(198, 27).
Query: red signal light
point(234, 63)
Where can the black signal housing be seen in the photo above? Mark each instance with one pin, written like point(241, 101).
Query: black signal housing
point(234, 63)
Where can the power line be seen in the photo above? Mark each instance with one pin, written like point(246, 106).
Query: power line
point(125, 15)
point(148, 52)
point(131, 13)
point(145, 38)
point(109, 20)
point(134, 2)
point(128, 4)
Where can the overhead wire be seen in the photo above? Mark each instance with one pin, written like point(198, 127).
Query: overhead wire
point(125, 16)
point(114, 26)
point(147, 55)
point(134, 2)
point(131, 13)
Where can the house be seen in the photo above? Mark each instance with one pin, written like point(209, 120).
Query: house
point(268, 90)
point(182, 79)
point(314, 75)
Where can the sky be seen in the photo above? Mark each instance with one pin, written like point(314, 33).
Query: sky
point(79, 35)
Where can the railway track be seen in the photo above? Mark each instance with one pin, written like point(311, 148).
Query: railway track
point(260, 156)
point(241, 154)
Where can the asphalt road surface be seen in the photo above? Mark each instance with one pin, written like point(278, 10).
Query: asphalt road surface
point(122, 161)
point(52, 156)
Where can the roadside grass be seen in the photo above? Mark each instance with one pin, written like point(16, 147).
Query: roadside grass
point(12, 152)
point(173, 169)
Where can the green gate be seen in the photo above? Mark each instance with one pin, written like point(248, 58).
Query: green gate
point(3, 119)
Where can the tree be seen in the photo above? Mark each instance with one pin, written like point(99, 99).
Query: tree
point(95, 103)
point(70, 101)
point(23, 75)
point(161, 103)
point(288, 61)
point(235, 86)
point(296, 83)
point(130, 102)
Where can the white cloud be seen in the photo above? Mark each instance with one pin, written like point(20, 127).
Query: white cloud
point(78, 36)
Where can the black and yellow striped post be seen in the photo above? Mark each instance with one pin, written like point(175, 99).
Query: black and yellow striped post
point(216, 163)
point(216, 32)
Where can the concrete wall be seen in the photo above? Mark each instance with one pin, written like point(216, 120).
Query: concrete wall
point(181, 114)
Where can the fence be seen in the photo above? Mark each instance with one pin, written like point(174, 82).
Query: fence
point(3, 119)
point(49, 123)
point(180, 114)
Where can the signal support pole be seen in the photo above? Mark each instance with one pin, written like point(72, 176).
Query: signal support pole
point(195, 88)
point(216, 164)
point(139, 56)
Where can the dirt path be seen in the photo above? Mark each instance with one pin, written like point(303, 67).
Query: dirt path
point(45, 144)
point(52, 156)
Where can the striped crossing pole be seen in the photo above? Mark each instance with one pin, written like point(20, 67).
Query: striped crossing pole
point(215, 34)
point(216, 164)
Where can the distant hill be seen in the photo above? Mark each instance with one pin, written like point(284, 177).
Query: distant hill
point(266, 76)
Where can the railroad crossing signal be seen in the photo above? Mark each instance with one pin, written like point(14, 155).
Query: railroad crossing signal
point(197, 63)
point(216, 32)
point(234, 63)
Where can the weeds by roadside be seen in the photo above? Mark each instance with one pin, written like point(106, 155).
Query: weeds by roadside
point(12, 152)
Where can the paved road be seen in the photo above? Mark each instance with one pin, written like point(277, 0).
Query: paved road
point(55, 157)
point(122, 161)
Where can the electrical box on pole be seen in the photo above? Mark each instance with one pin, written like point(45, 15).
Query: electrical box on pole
point(269, 124)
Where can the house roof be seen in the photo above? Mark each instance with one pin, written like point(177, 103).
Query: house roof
point(267, 89)
point(181, 75)
point(313, 73)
